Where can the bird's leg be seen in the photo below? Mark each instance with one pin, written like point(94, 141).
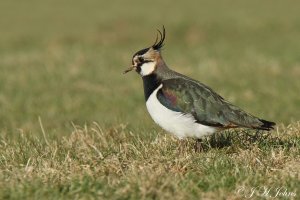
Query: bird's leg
point(198, 145)
point(182, 145)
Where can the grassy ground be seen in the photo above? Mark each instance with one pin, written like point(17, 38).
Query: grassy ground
point(72, 126)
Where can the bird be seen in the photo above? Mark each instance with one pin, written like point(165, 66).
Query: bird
point(182, 105)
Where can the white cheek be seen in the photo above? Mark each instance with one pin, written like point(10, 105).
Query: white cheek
point(147, 68)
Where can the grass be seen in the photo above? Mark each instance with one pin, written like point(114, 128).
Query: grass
point(73, 127)
point(93, 162)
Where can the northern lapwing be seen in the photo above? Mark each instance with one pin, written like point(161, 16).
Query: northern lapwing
point(182, 105)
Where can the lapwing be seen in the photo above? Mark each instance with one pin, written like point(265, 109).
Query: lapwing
point(183, 106)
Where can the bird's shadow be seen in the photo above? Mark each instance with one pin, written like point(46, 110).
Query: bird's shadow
point(245, 139)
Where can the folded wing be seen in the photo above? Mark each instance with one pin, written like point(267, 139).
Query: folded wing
point(208, 108)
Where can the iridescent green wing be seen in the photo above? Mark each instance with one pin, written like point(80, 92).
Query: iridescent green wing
point(191, 97)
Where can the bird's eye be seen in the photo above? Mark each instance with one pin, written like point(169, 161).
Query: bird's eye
point(141, 59)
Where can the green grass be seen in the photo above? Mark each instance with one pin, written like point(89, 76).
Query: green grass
point(62, 62)
point(121, 164)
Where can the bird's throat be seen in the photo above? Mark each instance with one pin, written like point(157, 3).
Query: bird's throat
point(151, 82)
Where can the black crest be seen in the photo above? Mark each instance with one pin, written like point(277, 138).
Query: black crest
point(156, 46)
point(160, 44)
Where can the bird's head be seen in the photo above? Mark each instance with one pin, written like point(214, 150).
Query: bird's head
point(145, 61)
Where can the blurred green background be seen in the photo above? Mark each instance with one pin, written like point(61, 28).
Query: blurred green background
point(63, 60)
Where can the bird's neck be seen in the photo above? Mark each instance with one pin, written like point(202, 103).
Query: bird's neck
point(151, 82)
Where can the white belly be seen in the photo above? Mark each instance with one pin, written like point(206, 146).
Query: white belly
point(181, 125)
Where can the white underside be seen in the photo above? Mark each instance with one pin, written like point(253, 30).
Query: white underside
point(179, 124)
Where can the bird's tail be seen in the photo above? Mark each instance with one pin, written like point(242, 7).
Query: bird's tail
point(266, 125)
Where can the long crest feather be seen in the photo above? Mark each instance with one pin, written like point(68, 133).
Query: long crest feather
point(155, 40)
point(160, 44)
